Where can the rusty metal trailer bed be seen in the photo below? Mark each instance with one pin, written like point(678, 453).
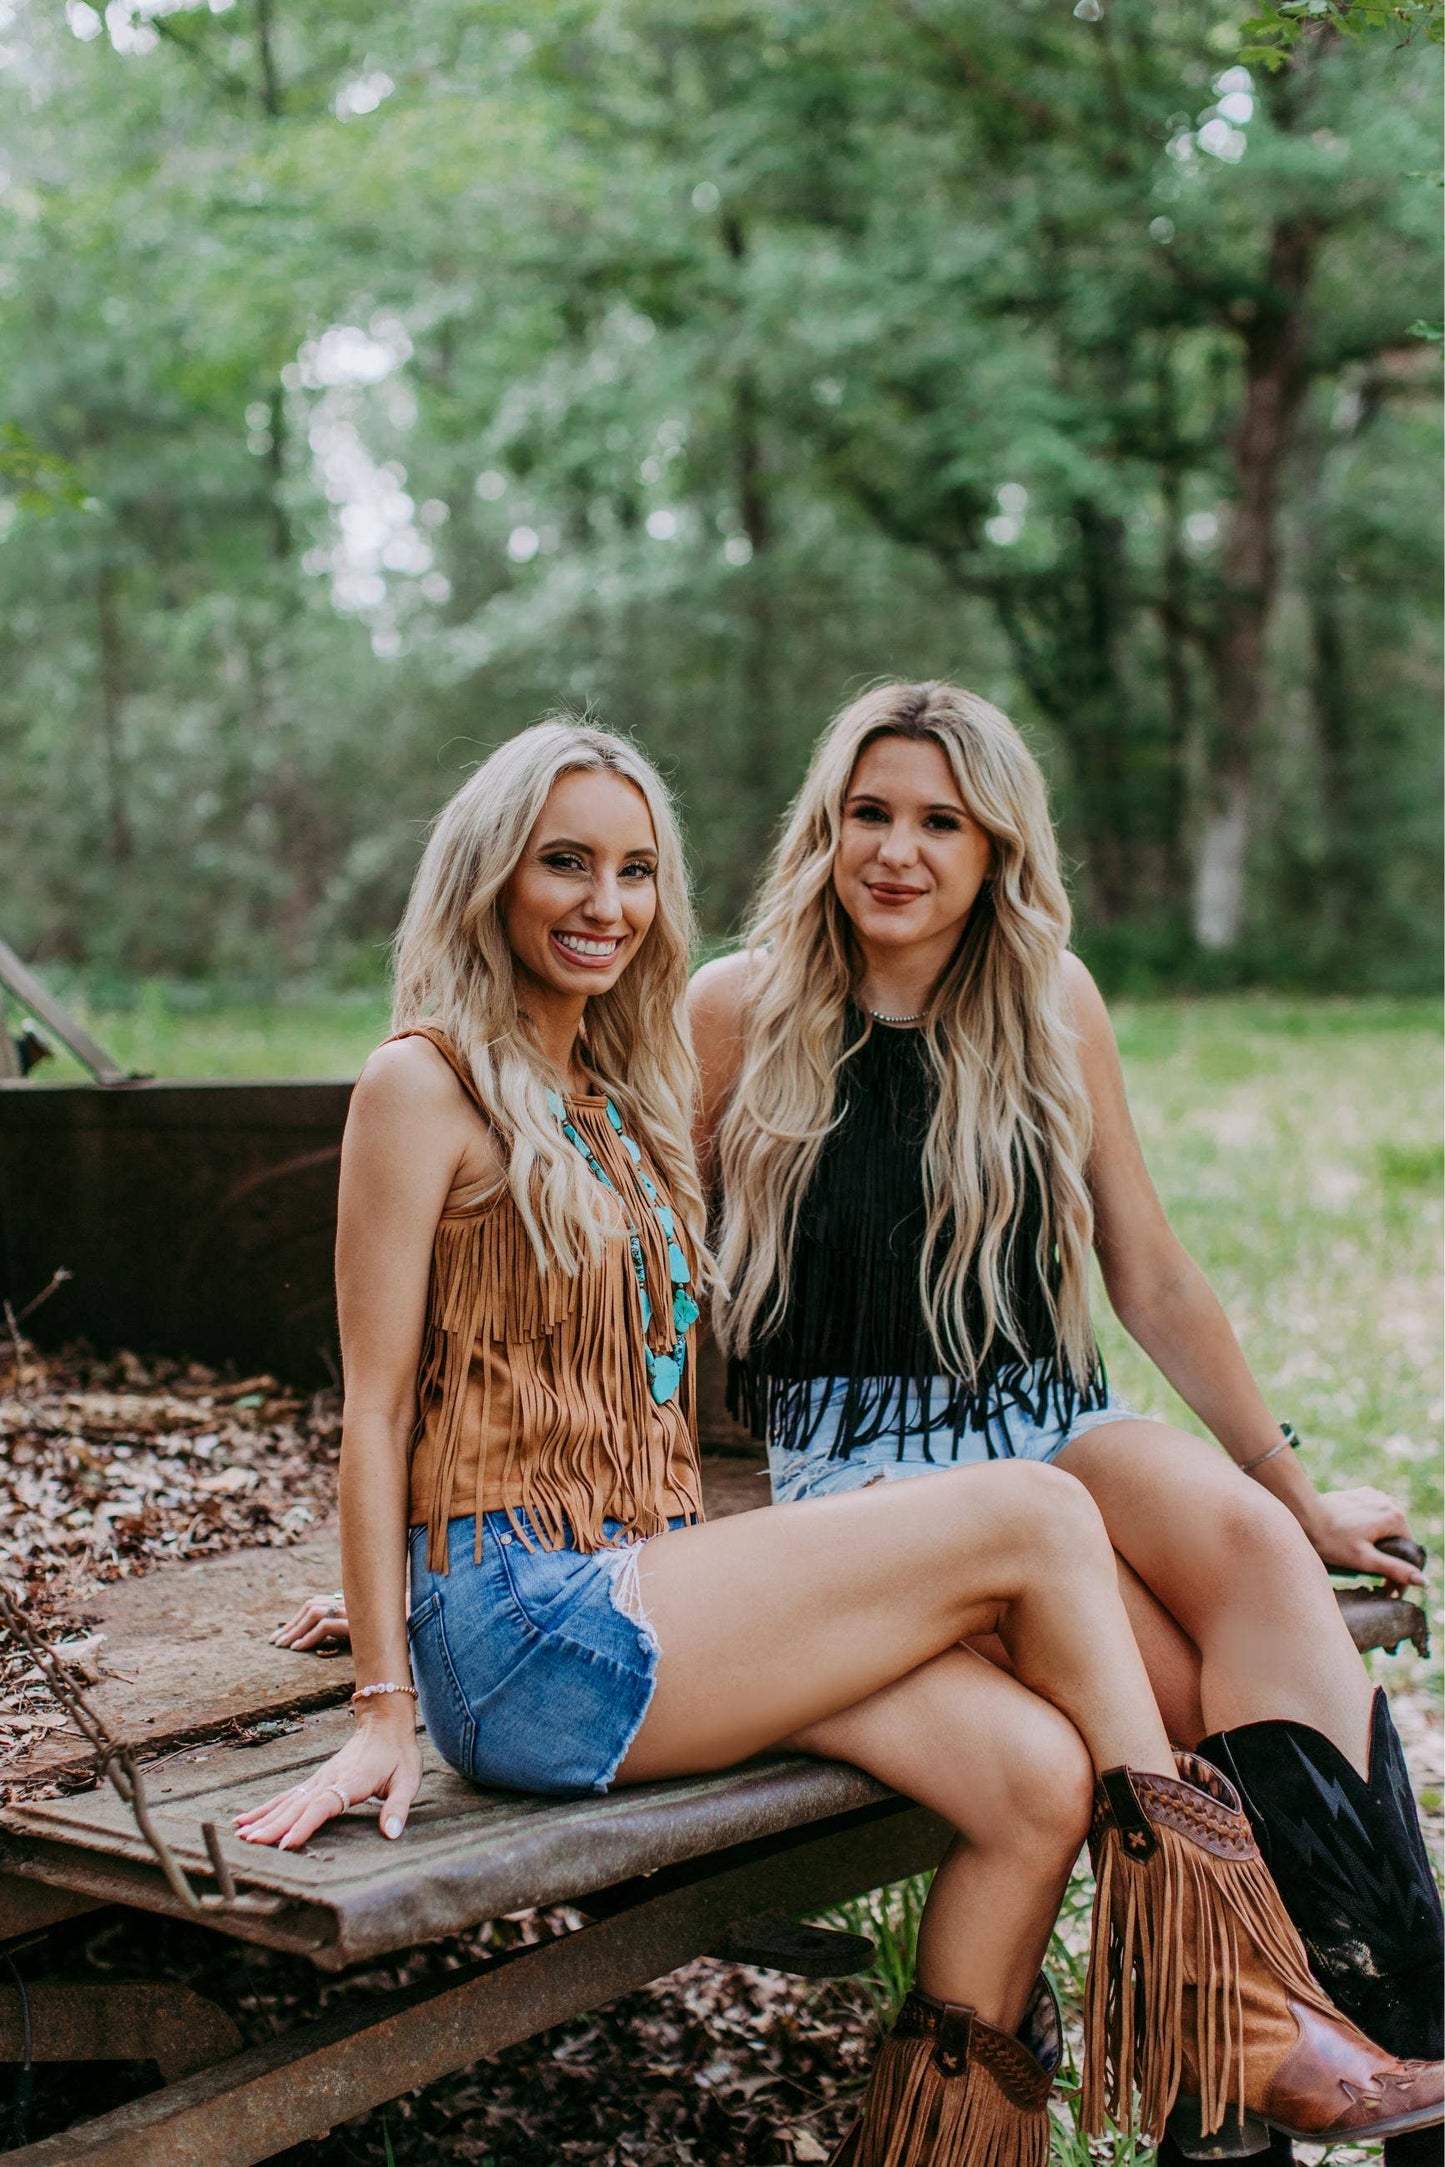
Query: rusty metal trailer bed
point(663, 1873)
point(199, 1218)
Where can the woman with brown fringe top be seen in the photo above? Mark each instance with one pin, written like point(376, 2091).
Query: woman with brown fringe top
point(520, 1237)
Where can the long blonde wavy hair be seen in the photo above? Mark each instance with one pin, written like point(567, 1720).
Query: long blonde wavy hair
point(1010, 1096)
point(453, 969)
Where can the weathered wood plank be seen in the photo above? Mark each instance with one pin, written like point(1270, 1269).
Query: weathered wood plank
point(255, 2104)
point(187, 1652)
point(468, 1854)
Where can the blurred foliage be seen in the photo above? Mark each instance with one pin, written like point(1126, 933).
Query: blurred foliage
point(1271, 35)
point(376, 383)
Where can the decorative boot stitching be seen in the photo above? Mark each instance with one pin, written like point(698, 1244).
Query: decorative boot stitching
point(1119, 1802)
point(955, 2036)
point(962, 2036)
point(1013, 2069)
point(1222, 1830)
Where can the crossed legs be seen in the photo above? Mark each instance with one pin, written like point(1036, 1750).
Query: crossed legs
point(834, 1625)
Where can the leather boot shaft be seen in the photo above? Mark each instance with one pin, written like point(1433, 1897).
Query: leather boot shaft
point(1198, 1982)
point(1349, 1859)
point(950, 2090)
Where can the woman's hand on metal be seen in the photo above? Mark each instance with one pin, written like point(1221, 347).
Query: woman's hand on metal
point(321, 1622)
point(1345, 1526)
point(382, 1761)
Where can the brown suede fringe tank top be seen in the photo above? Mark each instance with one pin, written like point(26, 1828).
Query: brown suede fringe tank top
point(532, 1394)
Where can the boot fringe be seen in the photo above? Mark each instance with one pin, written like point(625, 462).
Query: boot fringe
point(1140, 1966)
point(915, 2114)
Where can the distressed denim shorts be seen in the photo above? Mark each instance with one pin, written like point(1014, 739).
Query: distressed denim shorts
point(534, 1668)
point(909, 1445)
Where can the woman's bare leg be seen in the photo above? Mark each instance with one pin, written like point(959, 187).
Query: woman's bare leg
point(1170, 1657)
point(772, 1621)
point(1233, 1565)
point(1021, 1808)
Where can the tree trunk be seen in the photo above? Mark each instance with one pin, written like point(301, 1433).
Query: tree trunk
point(1173, 619)
point(120, 841)
point(270, 79)
point(759, 767)
point(1275, 379)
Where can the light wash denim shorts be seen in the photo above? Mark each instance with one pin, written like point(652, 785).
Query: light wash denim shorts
point(534, 1668)
point(911, 1444)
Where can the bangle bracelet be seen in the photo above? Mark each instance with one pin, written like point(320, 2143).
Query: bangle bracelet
point(367, 1692)
point(1289, 1439)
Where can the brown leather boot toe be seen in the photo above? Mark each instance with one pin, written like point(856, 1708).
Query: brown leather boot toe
point(1333, 2084)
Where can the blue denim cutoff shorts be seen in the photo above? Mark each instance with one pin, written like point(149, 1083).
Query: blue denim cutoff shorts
point(909, 1446)
point(534, 1668)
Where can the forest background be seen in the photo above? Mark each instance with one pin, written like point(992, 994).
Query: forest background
point(376, 380)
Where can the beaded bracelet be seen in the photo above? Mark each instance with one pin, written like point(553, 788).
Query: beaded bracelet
point(366, 1692)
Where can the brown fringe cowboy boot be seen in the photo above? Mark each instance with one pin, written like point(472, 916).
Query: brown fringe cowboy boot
point(949, 2090)
point(1200, 1986)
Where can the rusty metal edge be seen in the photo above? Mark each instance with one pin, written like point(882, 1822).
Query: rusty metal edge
point(175, 1102)
point(244, 2110)
point(299, 1928)
point(18, 978)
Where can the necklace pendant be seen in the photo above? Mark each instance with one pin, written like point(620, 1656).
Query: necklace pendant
point(664, 1375)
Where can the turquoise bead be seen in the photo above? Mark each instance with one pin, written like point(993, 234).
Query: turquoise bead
point(664, 1371)
point(664, 1378)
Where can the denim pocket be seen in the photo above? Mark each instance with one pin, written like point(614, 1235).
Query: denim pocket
point(548, 1585)
point(444, 1706)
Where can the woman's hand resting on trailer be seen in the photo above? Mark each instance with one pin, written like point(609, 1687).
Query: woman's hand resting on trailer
point(1346, 1525)
point(320, 1624)
point(382, 1761)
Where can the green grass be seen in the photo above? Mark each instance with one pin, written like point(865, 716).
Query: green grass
point(171, 1031)
point(1297, 1149)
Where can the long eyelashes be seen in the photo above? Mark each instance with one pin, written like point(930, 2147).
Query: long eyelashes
point(566, 862)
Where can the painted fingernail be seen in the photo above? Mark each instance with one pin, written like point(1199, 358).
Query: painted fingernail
point(392, 1826)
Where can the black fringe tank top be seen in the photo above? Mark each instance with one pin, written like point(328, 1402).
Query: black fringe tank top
point(854, 1322)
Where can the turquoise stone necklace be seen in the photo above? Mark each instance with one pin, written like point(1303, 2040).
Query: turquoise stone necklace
point(664, 1371)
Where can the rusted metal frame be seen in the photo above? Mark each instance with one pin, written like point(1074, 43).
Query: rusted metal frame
point(28, 1908)
point(245, 2109)
point(76, 2021)
point(23, 983)
point(97, 1877)
point(1379, 1619)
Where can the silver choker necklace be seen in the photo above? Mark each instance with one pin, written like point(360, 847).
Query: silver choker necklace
point(879, 1017)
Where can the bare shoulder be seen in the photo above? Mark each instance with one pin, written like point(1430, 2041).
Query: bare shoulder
point(407, 1076)
point(718, 991)
point(1083, 1000)
point(408, 1098)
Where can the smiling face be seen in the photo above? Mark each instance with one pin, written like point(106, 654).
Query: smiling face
point(910, 859)
point(584, 892)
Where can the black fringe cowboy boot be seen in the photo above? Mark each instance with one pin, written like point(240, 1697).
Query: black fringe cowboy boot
point(1200, 1989)
point(948, 2090)
point(1348, 1857)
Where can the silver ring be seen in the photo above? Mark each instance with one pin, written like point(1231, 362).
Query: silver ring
point(336, 1792)
point(335, 1604)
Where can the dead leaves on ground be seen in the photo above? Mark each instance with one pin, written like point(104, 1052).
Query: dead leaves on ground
point(112, 1467)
